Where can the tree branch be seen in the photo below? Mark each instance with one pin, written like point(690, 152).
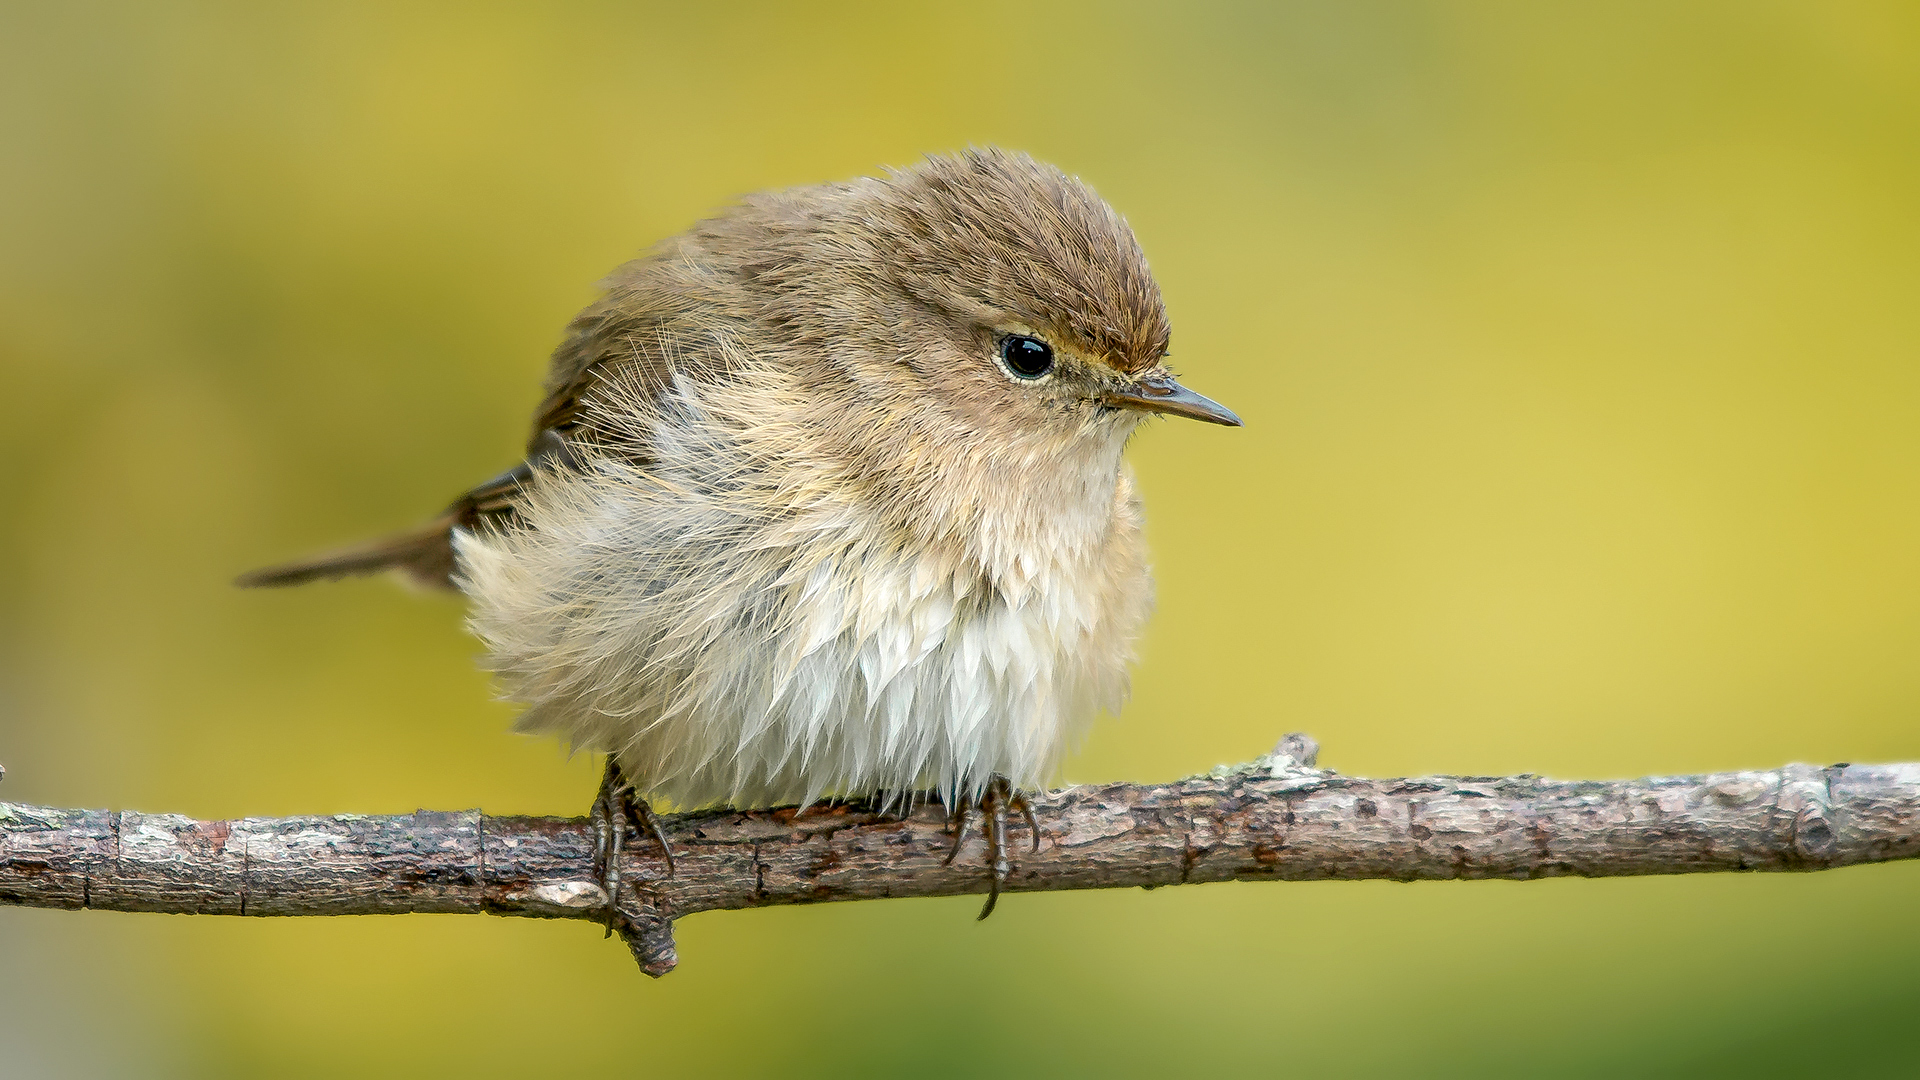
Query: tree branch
point(1275, 818)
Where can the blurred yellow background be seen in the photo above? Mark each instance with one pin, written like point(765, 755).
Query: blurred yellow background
point(1580, 356)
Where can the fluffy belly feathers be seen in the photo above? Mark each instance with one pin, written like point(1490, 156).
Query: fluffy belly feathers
point(726, 655)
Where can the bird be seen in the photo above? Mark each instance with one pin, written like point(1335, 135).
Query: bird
point(827, 497)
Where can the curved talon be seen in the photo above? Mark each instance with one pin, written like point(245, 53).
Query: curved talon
point(645, 817)
point(1021, 804)
point(960, 822)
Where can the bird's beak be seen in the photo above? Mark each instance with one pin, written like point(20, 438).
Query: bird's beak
point(1161, 394)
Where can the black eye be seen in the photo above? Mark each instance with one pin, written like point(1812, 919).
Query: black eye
point(1029, 358)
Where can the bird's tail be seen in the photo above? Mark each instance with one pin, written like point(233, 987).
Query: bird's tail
point(424, 555)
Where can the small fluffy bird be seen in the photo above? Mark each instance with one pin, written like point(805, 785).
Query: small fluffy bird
point(826, 497)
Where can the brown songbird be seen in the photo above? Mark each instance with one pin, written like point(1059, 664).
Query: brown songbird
point(827, 497)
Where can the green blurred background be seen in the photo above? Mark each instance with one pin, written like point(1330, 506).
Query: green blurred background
point(1577, 348)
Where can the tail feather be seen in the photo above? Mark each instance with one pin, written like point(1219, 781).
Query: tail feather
point(424, 555)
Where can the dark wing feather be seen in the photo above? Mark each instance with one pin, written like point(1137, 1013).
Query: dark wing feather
point(605, 334)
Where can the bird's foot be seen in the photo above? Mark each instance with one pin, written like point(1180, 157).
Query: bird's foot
point(616, 808)
point(995, 801)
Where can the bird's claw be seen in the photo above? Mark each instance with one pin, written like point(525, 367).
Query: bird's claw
point(616, 807)
point(998, 798)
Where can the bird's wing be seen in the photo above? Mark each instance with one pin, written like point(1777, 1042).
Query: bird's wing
point(602, 339)
point(620, 337)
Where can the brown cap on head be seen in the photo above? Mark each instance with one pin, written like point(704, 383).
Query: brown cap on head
point(997, 230)
point(986, 237)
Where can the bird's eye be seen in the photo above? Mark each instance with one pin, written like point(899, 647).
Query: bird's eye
point(1025, 357)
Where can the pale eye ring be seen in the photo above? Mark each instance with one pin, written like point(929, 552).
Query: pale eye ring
point(1026, 357)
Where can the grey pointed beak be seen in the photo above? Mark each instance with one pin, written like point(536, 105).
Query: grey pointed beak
point(1162, 394)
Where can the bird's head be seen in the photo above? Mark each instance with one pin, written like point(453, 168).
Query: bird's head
point(995, 287)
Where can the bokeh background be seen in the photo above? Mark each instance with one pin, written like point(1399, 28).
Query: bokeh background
point(1577, 346)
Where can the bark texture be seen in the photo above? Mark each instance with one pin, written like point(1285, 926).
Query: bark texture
point(1276, 818)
